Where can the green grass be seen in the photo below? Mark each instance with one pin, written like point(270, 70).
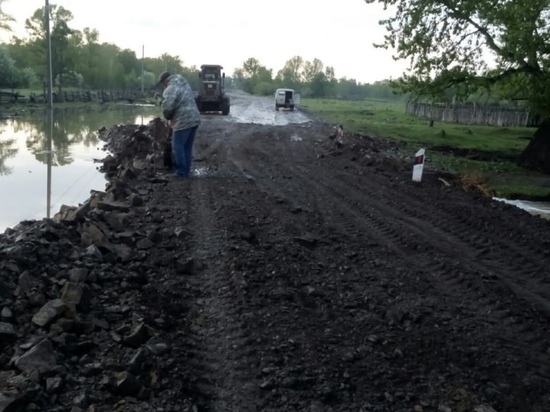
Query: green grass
point(458, 149)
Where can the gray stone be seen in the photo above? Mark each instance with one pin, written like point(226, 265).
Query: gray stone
point(124, 252)
point(139, 335)
point(128, 173)
point(28, 284)
point(54, 384)
point(71, 213)
point(113, 206)
point(117, 221)
point(484, 408)
point(50, 312)
point(181, 232)
point(93, 250)
point(126, 384)
point(98, 237)
point(20, 382)
point(6, 313)
point(7, 332)
point(40, 358)
point(135, 200)
point(76, 295)
point(145, 244)
point(81, 400)
point(78, 275)
point(9, 401)
point(138, 361)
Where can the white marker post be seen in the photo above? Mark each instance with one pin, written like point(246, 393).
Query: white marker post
point(418, 165)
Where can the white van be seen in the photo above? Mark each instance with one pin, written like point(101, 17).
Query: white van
point(286, 98)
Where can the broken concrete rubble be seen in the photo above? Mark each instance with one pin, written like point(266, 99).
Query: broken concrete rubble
point(52, 303)
point(286, 277)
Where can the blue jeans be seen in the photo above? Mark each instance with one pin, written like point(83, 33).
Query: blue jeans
point(182, 147)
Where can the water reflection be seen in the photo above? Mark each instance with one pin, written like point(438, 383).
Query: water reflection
point(49, 154)
point(7, 150)
point(541, 209)
point(47, 158)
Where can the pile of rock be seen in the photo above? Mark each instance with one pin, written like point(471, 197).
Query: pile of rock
point(72, 335)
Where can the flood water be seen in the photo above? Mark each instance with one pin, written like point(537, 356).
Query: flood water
point(541, 209)
point(47, 159)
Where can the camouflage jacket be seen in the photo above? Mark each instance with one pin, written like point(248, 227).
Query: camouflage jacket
point(178, 104)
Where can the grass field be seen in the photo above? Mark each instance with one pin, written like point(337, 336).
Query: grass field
point(482, 156)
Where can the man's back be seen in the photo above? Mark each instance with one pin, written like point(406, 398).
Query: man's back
point(179, 104)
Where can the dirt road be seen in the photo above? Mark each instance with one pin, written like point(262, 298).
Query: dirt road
point(330, 280)
point(303, 277)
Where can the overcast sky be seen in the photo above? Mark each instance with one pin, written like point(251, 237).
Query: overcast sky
point(339, 33)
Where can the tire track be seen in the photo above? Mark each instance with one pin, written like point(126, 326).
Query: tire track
point(446, 230)
point(403, 225)
point(218, 331)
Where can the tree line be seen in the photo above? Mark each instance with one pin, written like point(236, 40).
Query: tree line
point(80, 60)
point(311, 78)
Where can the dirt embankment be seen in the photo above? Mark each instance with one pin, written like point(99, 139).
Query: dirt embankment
point(286, 275)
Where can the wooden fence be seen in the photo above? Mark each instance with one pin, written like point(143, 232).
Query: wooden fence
point(10, 97)
point(101, 96)
point(474, 114)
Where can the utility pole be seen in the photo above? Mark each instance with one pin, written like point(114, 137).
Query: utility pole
point(50, 110)
point(142, 59)
point(49, 42)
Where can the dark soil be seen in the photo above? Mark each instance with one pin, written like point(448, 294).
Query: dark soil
point(285, 275)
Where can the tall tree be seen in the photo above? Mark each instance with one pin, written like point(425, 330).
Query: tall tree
point(253, 77)
point(5, 19)
point(251, 67)
point(171, 63)
point(318, 85)
point(8, 70)
point(471, 44)
point(60, 44)
point(312, 69)
point(291, 73)
point(88, 61)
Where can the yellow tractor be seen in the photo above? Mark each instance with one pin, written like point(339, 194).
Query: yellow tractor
point(211, 96)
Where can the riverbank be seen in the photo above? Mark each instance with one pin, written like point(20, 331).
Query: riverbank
point(482, 157)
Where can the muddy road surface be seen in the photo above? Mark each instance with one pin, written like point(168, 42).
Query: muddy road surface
point(291, 275)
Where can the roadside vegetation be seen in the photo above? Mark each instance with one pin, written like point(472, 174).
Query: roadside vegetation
point(480, 157)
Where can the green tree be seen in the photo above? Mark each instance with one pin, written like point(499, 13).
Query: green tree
point(251, 67)
point(88, 62)
point(318, 85)
point(312, 69)
point(22, 56)
point(60, 41)
point(171, 63)
point(451, 43)
point(8, 71)
point(5, 19)
point(111, 71)
point(330, 76)
point(291, 74)
point(191, 74)
point(470, 45)
point(254, 78)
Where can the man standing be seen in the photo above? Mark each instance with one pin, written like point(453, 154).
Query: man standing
point(179, 108)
